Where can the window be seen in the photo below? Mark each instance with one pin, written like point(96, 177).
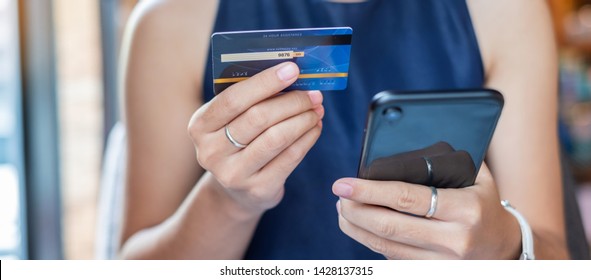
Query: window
point(12, 202)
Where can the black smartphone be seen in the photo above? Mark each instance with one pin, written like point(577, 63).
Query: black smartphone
point(433, 138)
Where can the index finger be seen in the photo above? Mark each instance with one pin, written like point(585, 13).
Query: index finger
point(400, 196)
point(236, 99)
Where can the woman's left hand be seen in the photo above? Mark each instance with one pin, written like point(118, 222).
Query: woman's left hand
point(469, 223)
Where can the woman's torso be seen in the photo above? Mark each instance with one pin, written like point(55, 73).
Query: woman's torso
point(397, 44)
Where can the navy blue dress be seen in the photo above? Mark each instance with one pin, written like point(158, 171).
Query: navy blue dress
point(397, 44)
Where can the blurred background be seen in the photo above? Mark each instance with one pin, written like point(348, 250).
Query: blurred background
point(58, 103)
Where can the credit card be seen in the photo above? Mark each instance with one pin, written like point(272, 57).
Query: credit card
point(322, 54)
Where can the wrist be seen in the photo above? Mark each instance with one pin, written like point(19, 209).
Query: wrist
point(226, 202)
point(512, 242)
point(525, 239)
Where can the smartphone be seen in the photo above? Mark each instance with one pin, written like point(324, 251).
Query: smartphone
point(433, 138)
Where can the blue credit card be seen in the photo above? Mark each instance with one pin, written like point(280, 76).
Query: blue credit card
point(322, 54)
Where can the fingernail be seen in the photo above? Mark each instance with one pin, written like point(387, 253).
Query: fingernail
point(316, 97)
point(287, 72)
point(320, 111)
point(342, 190)
point(339, 206)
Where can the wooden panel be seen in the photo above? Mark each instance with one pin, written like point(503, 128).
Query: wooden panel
point(560, 9)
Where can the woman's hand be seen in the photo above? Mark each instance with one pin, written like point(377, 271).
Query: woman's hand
point(468, 223)
point(277, 129)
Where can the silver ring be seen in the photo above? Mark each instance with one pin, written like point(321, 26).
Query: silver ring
point(232, 140)
point(433, 206)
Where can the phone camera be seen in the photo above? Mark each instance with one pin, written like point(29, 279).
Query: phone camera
point(392, 114)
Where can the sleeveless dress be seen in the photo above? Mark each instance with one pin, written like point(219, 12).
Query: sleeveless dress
point(398, 45)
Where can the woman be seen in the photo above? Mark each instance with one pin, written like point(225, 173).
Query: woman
point(201, 197)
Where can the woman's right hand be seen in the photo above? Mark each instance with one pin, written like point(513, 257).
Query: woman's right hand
point(278, 130)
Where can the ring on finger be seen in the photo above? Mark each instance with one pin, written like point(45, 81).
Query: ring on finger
point(433, 206)
point(232, 140)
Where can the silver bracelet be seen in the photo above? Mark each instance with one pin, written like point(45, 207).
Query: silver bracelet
point(527, 236)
